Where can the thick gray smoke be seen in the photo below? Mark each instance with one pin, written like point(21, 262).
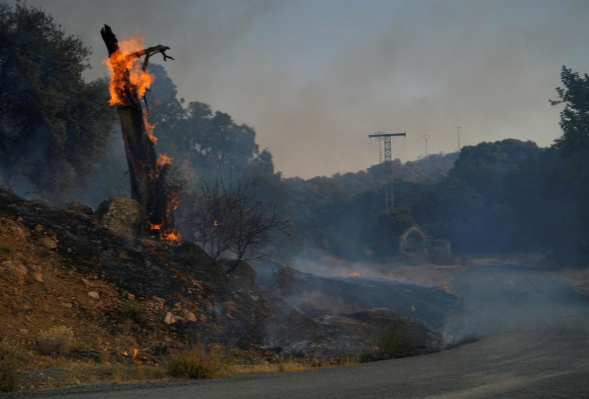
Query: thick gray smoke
point(314, 78)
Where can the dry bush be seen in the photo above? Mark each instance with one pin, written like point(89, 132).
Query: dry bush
point(196, 364)
point(55, 341)
point(269, 367)
point(11, 357)
point(6, 249)
point(395, 341)
point(134, 312)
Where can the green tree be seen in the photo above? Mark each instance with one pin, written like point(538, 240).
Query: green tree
point(53, 125)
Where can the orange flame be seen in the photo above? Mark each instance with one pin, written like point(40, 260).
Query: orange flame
point(154, 226)
point(216, 223)
point(120, 63)
point(353, 274)
point(149, 128)
point(135, 353)
point(164, 159)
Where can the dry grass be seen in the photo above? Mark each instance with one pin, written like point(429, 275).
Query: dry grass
point(196, 363)
point(268, 368)
point(11, 357)
point(55, 341)
point(292, 365)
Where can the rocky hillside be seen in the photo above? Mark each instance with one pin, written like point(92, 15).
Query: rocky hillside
point(61, 266)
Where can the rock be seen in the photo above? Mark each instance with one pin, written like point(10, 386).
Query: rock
point(23, 331)
point(48, 242)
point(87, 283)
point(77, 206)
point(130, 297)
point(94, 295)
point(122, 215)
point(39, 278)
point(188, 315)
point(170, 318)
point(14, 269)
point(66, 305)
point(159, 303)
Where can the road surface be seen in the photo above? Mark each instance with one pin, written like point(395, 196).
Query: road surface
point(534, 344)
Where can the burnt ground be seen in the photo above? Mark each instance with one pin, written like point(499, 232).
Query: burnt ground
point(533, 345)
point(61, 267)
point(348, 294)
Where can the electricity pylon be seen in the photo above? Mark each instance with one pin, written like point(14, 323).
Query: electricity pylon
point(388, 160)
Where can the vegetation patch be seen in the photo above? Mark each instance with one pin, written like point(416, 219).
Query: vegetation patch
point(134, 312)
point(56, 341)
point(395, 341)
point(11, 357)
point(196, 364)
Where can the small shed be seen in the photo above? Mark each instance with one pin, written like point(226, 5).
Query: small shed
point(413, 241)
point(416, 242)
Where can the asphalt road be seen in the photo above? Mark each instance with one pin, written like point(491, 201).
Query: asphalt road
point(534, 344)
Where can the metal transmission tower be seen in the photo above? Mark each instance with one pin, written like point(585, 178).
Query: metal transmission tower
point(388, 159)
point(425, 137)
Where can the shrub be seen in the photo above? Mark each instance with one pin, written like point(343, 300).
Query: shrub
point(134, 312)
point(195, 364)
point(10, 362)
point(55, 341)
point(395, 341)
point(5, 249)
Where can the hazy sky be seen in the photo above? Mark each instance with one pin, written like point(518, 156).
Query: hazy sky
point(314, 78)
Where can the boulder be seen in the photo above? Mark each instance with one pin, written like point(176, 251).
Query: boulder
point(122, 215)
point(94, 295)
point(188, 315)
point(15, 270)
point(77, 206)
point(170, 318)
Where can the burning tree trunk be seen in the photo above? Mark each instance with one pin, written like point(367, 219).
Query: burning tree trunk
point(149, 185)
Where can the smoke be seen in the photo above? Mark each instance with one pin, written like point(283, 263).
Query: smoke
point(315, 78)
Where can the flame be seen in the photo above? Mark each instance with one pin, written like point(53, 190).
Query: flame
point(128, 82)
point(120, 63)
point(149, 128)
point(164, 159)
point(135, 352)
point(154, 226)
point(216, 223)
point(353, 274)
point(173, 235)
point(166, 235)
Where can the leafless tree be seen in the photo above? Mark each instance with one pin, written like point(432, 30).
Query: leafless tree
point(229, 220)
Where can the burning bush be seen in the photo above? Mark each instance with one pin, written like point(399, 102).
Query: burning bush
point(196, 364)
point(55, 341)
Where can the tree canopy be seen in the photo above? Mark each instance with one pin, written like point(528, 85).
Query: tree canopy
point(53, 125)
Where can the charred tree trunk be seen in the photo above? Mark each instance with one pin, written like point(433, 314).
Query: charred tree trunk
point(148, 178)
